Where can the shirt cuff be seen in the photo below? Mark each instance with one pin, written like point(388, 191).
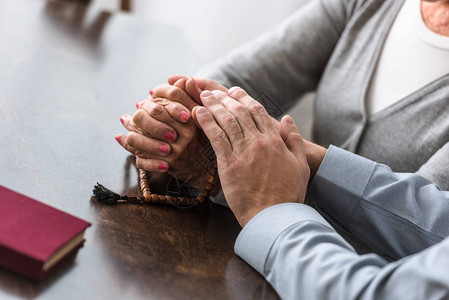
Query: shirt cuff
point(254, 242)
point(340, 182)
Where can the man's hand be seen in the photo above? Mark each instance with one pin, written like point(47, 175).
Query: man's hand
point(164, 138)
point(259, 165)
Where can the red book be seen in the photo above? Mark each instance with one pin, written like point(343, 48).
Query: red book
point(35, 237)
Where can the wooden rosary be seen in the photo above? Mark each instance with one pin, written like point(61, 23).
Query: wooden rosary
point(106, 196)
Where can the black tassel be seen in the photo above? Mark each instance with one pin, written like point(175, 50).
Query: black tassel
point(106, 196)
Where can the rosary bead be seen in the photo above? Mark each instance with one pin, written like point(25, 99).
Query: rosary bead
point(211, 179)
point(201, 199)
point(154, 198)
point(147, 197)
point(170, 200)
point(209, 187)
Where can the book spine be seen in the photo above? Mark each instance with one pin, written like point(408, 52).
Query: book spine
point(20, 263)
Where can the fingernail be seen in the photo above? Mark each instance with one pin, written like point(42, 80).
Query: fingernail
point(290, 120)
point(118, 138)
point(184, 115)
point(139, 103)
point(163, 166)
point(164, 148)
point(233, 89)
point(151, 92)
point(206, 93)
point(122, 119)
point(170, 136)
point(201, 110)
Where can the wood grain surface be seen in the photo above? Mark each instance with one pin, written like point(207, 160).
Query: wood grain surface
point(67, 74)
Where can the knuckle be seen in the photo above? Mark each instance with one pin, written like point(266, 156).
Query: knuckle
point(139, 116)
point(131, 139)
point(161, 101)
point(229, 120)
point(142, 154)
point(276, 141)
point(237, 92)
point(174, 93)
point(156, 110)
point(175, 106)
point(238, 108)
point(141, 131)
point(259, 145)
point(145, 164)
point(220, 95)
point(140, 163)
point(257, 108)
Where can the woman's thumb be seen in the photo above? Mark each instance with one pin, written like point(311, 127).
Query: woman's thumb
point(292, 139)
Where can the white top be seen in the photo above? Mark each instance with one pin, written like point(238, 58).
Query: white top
point(412, 57)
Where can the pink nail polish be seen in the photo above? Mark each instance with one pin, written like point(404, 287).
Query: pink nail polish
point(118, 138)
point(170, 136)
point(122, 119)
point(164, 148)
point(163, 166)
point(138, 104)
point(151, 92)
point(184, 116)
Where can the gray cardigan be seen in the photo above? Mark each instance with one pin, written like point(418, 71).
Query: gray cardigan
point(332, 47)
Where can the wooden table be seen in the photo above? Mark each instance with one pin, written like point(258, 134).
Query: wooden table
point(67, 73)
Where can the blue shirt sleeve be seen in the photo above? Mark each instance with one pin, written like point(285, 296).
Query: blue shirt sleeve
point(303, 257)
point(395, 214)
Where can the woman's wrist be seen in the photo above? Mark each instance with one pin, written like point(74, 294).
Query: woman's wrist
point(315, 155)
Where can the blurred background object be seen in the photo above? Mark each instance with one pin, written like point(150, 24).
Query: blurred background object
point(213, 28)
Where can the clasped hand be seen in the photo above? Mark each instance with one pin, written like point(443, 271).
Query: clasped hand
point(259, 166)
point(260, 162)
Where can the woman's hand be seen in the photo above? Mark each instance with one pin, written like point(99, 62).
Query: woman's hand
point(259, 165)
point(165, 138)
point(194, 86)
